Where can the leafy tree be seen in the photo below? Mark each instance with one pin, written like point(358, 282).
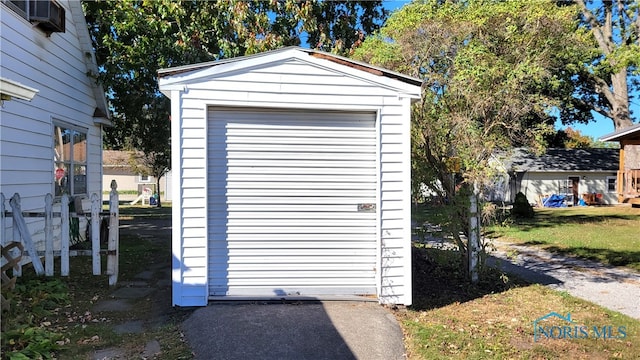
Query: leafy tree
point(607, 83)
point(574, 139)
point(571, 139)
point(133, 39)
point(492, 73)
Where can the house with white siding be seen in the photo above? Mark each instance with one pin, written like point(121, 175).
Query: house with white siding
point(576, 174)
point(291, 178)
point(52, 110)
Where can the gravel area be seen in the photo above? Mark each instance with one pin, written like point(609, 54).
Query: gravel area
point(614, 288)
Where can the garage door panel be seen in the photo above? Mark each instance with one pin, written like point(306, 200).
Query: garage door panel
point(310, 143)
point(303, 214)
point(306, 186)
point(270, 222)
point(301, 163)
point(315, 134)
point(299, 169)
point(297, 193)
point(346, 200)
point(304, 148)
point(326, 179)
point(297, 278)
point(318, 209)
point(334, 231)
point(284, 192)
point(296, 242)
point(304, 156)
point(302, 238)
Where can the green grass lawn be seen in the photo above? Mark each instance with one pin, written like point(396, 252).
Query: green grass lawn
point(501, 326)
point(610, 235)
point(494, 319)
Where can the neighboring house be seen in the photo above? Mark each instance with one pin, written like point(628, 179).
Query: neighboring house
point(117, 166)
point(628, 187)
point(587, 174)
point(52, 109)
point(292, 173)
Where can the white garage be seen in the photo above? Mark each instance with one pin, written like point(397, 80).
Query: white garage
point(291, 178)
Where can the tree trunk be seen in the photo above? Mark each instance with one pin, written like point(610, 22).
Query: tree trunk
point(158, 203)
point(620, 100)
point(616, 94)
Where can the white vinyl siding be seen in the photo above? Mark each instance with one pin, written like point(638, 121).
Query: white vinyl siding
point(534, 184)
point(57, 67)
point(284, 189)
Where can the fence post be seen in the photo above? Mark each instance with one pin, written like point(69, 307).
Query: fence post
point(114, 235)
point(3, 241)
point(96, 205)
point(23, 230)
point(48, 235)
point(17, 270)
point(473, 246)
point(64, 235)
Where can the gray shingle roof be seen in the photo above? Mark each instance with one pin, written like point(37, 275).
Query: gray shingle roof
point(565, 160)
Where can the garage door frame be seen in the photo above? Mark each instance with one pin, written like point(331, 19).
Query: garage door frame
point(375, 112)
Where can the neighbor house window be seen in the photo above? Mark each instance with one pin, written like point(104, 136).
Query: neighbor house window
point(144, 178)
point(69, 160)
point(611, 184)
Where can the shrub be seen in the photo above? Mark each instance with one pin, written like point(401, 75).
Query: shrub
point(521, 207)
point(26, 334)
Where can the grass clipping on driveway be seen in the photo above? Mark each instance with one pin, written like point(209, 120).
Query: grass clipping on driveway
point(453, 319)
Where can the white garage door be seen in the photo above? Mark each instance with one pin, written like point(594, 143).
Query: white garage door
point(291, 202)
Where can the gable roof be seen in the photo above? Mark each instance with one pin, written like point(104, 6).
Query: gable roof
point(558, 160)
point(628, 133)
point(384, 77)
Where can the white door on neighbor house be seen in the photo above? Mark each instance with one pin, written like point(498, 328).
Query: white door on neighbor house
point(292, 202)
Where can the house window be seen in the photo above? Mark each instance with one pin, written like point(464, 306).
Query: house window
point(144, 178)
point(19, 7)
point(49, 16)
point(69, 160)
point(612, 183)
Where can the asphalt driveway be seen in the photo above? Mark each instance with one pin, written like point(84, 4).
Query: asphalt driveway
point(299, 330)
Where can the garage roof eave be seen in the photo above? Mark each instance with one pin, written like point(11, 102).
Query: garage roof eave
point(176, 74)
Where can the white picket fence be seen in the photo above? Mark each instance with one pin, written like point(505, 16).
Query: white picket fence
point(21, 234)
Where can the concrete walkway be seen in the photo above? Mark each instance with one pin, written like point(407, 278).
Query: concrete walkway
point(616, 289)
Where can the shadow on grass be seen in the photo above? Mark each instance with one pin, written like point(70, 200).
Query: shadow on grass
point(545, 218)
point(438, 280)
point(630, 259)
point(145, 211)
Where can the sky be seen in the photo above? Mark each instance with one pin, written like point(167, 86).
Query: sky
point(599, 127)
